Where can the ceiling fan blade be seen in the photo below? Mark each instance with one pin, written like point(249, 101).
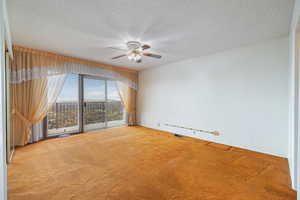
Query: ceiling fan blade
point(119, 56)
point(118, 48)
point(146, 46)
point(152, 55)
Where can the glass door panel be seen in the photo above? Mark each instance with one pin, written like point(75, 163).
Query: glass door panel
point(94, 99)
point(62, 118)
point(114, 107)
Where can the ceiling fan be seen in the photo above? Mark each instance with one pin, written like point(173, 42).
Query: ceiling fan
point(135, 51)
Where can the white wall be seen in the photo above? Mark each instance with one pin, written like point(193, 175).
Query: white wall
point(3, 180)
point(243, 93)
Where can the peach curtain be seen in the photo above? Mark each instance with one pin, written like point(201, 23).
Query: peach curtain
point(35, 73)
point(30, 103)
point(128, 97)
point(31, 99)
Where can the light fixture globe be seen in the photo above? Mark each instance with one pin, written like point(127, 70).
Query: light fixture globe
point(135, 51)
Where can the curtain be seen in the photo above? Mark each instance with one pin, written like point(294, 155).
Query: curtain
point(128, 98)
point(31, 101)
point(43, 64)
point(36, 73)
point(37, 78)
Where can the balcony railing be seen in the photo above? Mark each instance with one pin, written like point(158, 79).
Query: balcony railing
point(64, 116)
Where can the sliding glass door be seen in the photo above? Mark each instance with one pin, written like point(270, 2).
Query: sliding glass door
point(94, 100)
point(85, 103)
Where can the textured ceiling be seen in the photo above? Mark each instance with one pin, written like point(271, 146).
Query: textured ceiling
point(177, 30)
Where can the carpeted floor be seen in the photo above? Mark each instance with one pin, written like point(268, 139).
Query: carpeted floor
point(132, 163)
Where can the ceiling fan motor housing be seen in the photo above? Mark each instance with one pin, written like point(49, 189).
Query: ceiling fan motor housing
point(132, 45)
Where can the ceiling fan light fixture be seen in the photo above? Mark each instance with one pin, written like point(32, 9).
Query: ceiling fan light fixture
point(136, 52)
point(134, 56)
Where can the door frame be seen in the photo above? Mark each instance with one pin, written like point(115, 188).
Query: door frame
point(294, 140)
point(296, 133)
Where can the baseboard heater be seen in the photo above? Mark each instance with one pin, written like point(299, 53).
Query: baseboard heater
point(216, 133)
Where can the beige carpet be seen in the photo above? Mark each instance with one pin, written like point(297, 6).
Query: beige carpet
point(131, 163)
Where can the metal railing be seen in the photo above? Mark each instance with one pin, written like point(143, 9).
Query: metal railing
point(65, 114)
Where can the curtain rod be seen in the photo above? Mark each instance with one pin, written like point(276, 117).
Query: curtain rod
point(74, 59)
